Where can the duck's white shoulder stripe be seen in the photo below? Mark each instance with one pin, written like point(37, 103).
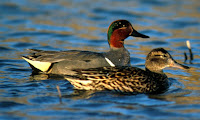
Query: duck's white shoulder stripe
point(109, 62)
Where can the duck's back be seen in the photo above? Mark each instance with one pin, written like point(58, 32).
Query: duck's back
point(122, 79)
point(63, 62)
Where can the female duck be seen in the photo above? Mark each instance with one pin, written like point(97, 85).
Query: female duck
point(128, 79)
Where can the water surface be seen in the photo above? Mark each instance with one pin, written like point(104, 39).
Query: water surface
point(82, 25)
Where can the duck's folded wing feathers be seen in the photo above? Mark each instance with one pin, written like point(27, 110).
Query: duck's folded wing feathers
point(57, 56)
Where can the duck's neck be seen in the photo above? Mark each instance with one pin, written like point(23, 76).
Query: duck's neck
point(117, 49)
point(155, 70)
point(117, 37)
point(153, 66)
point(116, 41)
point(116, 44)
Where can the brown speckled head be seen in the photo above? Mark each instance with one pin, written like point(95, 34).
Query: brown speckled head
point(159, 58)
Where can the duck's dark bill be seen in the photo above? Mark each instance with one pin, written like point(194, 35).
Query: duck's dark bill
point(137, 34)
point(178, 65)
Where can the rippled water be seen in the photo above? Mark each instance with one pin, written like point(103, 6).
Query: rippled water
point(82, 25)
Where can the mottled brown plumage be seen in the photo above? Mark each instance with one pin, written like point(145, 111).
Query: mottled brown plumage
point(128, 79)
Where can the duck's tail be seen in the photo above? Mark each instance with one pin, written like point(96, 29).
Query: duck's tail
point(42, 66)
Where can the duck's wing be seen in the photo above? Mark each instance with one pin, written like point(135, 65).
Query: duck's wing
point(72, 59)
point(124, 79)
point(106, 73)
point(57, 56)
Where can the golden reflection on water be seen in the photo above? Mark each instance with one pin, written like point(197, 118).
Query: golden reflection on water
point(159, 18)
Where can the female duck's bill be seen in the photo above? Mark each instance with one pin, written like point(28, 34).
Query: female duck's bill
point(63, 62)
point(128, 79)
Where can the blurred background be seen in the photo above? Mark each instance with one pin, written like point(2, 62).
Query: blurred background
point(82, 25)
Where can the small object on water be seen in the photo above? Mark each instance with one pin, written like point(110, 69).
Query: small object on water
point(59, 93)
point(128, 79)
point(185, 57)
point(190, 50)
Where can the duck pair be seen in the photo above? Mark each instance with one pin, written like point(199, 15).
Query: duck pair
point(88, 70)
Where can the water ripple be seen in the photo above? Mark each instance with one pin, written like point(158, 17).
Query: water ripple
point(63, 25)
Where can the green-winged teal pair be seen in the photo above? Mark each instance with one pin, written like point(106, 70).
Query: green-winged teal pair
point(128, 79)
point(62, 62)
point(88, 70)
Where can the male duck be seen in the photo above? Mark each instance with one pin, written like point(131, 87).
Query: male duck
point(128, 79)
point(62, 62)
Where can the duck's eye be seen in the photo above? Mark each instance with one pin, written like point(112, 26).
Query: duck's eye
point(161, 55)
point(158, 55)
point(164, 55)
